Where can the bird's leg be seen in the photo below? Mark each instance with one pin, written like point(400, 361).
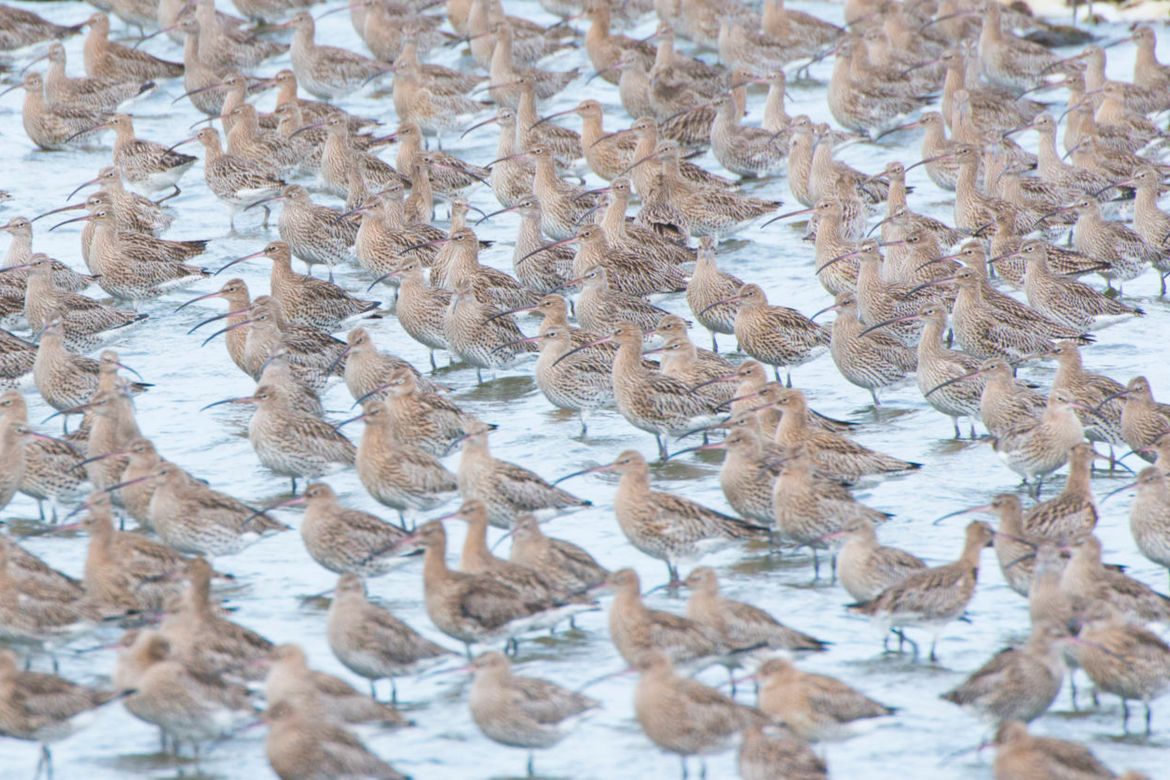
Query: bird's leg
point(874, 396)
point(294, 486)
point(374, 689)
point(267, 214)
point(715, 341)
point(788, 379)
point(531, 769)
point(41, 509)
point(816, 565)
point(479, 375)
point(972, 429)
point(663, 451)
point(467, 650)
point(684, 767)
point(1124, 715)
point(933, 646)
point(1149, 718)
point(165, 198)
point(1072, 688)
point(393, 691)
point(955, 422)
point(433, 366)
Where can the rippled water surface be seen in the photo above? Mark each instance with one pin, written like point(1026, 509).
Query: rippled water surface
point(213, 445)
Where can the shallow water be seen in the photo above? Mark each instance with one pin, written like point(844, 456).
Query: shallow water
point(914, 744)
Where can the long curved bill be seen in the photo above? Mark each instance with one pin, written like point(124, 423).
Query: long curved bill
point(225, 315)
point(546, 247)
point(715, 445)
point(887, 323)
point(241, 259)
point(216, 294)
point(797, 213)
point(86, 218)
point(709, 307)
point(478, 125)
point(344, 423)
point(967, 511)
point(190, 92)
point(607, 467)
point(953, 380)
point(247, 399)
point(575, 350)
point(228, 329)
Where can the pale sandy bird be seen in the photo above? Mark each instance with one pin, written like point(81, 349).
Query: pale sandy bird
point(1124, 659)
point(477, 608)
point(236, 181)
point(347, 540)
point(106, 59)
point(54, 127)
point(477, 558)
point(1149, 514)
point(775, 335)
point(865, 568)
point(419, 415)
point(1019, 754)
point(639, 632)
point(198, 520)
point(367, 369)
point(373, 643)
point(833, 453)
point(22, 28)
point(504, 488)
point(569, 567)
point(519, 711)
point(125, 570)
point(1087, 581)
point(290, 442)
point(807, 509)
point(737, 623)
point(290, 679)
point(187, 706)
point(303, 299)
point(932, 598)
point(815, 706)
point(328, 72)
point(477, 337)
point(666, 526)
point(401, 476)
point(1037, 447)
point(650, 400)
point(775, 752)
point(683, 716)
point(37, 607)
point(204, 640)
point(1019, 683)
point(304, 744)
point(44, 708)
